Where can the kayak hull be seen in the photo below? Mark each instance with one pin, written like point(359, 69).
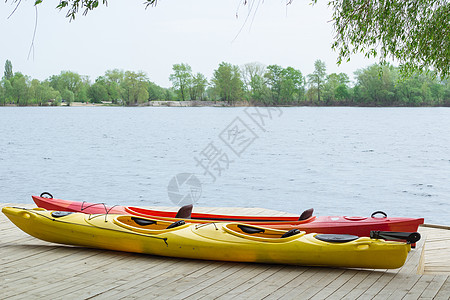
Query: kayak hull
point(360, 226)
point(214, 241)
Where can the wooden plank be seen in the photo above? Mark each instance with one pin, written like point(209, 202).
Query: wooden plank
point(383, 286)
point(211, 278)
point(305, 284)
point(444, 291)
point(237, 285)
point(421, 266)
point(371, 285)
point(433, 288)
point(405, 279)
point(421, 285)
point(264, 282)
point(342, 285)
point(406, 276)
point(127, 283)
point(272, 283)
point(35, 277)
point(326, 285)
point(436, 226)
point(436, 256)
point(20, 253)
point(292, 281)
point(168, 279)
point(192, 282)
point(243, 273)
point(401, 285)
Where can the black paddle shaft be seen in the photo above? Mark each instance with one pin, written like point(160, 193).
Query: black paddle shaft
point(409, 237)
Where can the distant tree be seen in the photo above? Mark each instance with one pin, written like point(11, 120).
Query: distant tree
point(336, 88)
point(181, 79)
point(115, 75)
point(7, 91)
point(113, 80)
point(260, 92)
point(212, 92)
point(375, 87)
point(198, 86)
point(114, 92)
point(292, 86)
point(274, 77)
point(286, 84)
point(82, 92)
point(20, 89)
point(67, 96)
point(98, 92)
point(33, 90)
point(409, 92)
point(343, 94)
point(42, 92)
point(2, 93)
point(72, 82)
point(311, 95)
point(446, 92)
point(434, 89)
point(134, 88)
point(254, 83)
point(317, 78)
point(436, 92)
point(227, 83)
point(8, 70)
point(169, 94)
point(155, 92)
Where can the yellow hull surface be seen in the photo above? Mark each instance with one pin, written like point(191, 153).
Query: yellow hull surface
point(211, 241)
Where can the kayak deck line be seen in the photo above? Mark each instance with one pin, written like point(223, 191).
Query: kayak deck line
point(34, 268)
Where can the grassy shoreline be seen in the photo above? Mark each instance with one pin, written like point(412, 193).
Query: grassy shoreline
point(206, 104)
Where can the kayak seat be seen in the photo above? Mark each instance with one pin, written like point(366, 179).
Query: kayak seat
point(143, 222)
point(336, 238)
point(306, 214)
point(176, 224)
point(59, 214)
point(291, 233)
point(250, 230)
point(184, 212)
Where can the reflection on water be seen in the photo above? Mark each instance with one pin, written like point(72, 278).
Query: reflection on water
point(341, 161)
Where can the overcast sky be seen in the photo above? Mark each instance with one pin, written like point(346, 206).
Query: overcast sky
point(201, 33)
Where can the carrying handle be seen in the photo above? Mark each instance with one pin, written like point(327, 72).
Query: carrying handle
point(409, 237)
point(379, 212)
point(50, 196)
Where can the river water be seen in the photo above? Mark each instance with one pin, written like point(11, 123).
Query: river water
point(340, 161)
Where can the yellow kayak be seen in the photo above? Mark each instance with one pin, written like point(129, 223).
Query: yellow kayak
point(210, 241)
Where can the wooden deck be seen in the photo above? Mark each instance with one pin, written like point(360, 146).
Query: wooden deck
point(30, 268)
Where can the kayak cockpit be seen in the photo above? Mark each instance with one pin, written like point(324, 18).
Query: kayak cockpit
point(147, 225)
point(261, 233)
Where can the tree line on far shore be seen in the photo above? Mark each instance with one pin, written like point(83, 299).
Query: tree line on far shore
point(255, 83)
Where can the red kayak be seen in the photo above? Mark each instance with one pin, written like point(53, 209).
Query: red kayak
point(360, 226)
